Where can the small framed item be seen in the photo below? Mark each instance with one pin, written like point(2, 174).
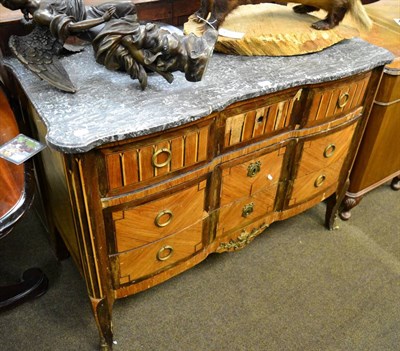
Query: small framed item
point(20, 149)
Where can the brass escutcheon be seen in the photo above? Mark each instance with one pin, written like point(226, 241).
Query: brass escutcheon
point(158, 222)
point(329, 150)
point(343, 100)
point(248, 209)
point(253, 169)
point(159, 152)
point(165, 253)
point(320, 180)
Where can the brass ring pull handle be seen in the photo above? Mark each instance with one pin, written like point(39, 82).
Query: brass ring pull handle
point(248, 209)
point(320, 180)
point(165, 253)
point(329, 150)
point(158, 222)
point(159, 152)
point(343, 100)
point(253, 169)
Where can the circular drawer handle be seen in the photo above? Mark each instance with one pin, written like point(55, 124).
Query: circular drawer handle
point(158, 222)
point(343, 100)
point(248, 209)
point(329, 150)
point(159, 152)
point(320, 180)
point(165, 253)
point(253, 169)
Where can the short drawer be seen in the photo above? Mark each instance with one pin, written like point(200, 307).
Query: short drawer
point(241, 213)
point(246, 178)
point(152, 258)
point(313, 184)
point(322, 152)
point(154, 220)
point(152, 159)
point(261, 118)
point(332, 100)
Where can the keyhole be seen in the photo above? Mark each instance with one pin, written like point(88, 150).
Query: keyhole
point(260, 119)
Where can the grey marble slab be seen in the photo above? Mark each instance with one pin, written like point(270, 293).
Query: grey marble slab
point(109, 106)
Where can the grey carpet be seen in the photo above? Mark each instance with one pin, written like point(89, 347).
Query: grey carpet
point(296, 287)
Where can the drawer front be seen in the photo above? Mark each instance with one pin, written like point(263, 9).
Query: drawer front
point(241, 213)
point(154, 159)
point(329, 102)
point(249, 177)
point(247, 123)
point(152, 258)
point(144, 224)
point(322, 152)
point(312, 184)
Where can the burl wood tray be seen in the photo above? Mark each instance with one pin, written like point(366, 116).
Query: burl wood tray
point(272, 30)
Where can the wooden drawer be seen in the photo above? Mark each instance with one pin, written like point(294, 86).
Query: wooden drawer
point(253, 121)
point(246, 178)
point(151, 221)
point(322, 152)
point(154, 159)
point(320, 164)
point(241, 213)
point(154, 257)
point(315, 183)
point(332, 100)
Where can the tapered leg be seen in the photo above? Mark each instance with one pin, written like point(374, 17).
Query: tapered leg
point(102, 311)
point(333, 205)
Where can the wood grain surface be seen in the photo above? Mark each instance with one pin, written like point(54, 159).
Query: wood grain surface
point(273, 30)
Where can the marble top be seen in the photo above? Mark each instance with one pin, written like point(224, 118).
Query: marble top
point(110, 106)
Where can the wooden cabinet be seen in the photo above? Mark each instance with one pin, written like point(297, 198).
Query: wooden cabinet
point(151, 207)
point(139, 209)
point(378, 159)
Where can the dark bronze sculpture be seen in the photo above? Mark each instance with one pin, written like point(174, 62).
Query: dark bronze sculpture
point(119, 41)
point(126, 45)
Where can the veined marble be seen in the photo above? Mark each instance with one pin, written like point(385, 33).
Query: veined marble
point(110, 106)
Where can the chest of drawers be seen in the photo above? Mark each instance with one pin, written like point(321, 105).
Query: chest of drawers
point(136, 207)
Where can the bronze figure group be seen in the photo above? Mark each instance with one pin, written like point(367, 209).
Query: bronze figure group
point(119, 41)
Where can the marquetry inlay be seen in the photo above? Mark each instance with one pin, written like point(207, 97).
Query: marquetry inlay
point(338, 100)
point(145, 162)
point(258, 122)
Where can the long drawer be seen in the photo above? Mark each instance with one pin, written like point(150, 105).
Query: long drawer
point(146, 223)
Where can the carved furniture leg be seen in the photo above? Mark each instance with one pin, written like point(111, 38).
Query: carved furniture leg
point(102, 311)
point(333, 204)
point(348, 203)
point(395, 183)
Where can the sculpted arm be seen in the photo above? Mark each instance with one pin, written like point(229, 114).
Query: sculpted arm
point(45, 16)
